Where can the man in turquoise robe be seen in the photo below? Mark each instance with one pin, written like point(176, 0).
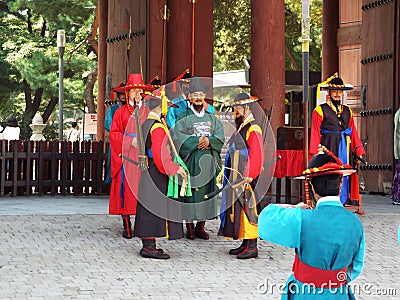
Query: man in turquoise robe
point(328, 240)
point(108, 120)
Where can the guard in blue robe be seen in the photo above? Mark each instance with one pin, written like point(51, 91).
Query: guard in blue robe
point(328, 240)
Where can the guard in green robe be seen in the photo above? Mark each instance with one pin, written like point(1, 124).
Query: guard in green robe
point(199, 137)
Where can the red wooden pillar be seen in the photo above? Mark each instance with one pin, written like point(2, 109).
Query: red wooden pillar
point(178, 37)
point(330, 24)
point(102, 67)
point(204, 38)
point(155, 38)
point(267, 72)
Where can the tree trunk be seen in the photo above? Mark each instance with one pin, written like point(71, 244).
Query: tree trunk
point(28, 95)
point(91, 80)
point(49, 109)
point(92, 36)
point(292, 60)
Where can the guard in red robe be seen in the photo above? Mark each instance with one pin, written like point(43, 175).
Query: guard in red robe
point(333, 127)
point(125, 176)
point(239, 211)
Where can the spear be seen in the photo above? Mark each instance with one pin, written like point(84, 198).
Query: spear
point(305, 45)
point(164, 42)
point(193, 23)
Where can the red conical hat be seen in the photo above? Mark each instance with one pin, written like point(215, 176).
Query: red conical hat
point(135, 81)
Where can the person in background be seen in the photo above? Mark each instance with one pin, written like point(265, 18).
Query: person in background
point(11, 131)
point(74, 134)
point(396, 145)
point(328, 240)
point(121, 100)
point(332, 126)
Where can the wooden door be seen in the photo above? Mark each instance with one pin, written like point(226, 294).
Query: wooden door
point(378, 77)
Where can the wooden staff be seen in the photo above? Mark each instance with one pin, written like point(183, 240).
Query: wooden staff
point(193, 40)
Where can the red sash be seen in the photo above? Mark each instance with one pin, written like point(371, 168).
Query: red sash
point(318, 277)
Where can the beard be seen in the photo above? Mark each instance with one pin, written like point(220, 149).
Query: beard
point(198, 107)
point(336, 102)
point(122, 102)
point(238, 121)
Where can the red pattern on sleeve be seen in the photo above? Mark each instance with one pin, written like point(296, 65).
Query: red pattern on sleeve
point(256, 155)
point(315, 139)
point(161, 156)
point(356, 144)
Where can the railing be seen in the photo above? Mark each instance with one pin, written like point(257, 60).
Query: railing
point(52, 167)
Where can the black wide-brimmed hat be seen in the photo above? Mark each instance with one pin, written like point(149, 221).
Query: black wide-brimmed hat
point(196, 85)
point(155, 82)
point(243, 99)
point(157, 96)
point(336, 83)
point(184, 75)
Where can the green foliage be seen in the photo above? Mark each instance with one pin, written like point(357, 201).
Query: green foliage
point(50, 132)
point(28, 51)
point(232, 27)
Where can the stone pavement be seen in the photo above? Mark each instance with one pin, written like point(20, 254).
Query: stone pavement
point(69, 248)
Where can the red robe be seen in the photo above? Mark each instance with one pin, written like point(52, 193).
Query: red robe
point(125, 176)
point(356, 146)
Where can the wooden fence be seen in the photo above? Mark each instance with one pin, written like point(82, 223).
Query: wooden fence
point(52, 167)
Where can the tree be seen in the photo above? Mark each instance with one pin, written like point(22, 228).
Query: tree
point(30, 53)
point(232, 24)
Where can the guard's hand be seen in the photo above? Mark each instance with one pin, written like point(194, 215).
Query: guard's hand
point(135, 143)
point(181, 171)
point(302, 205)
point(204, 143)
point(248, 179)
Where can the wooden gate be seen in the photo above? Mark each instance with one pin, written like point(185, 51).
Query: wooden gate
point(378, 73)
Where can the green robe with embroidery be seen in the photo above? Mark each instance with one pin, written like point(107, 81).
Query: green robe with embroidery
point(203, 165)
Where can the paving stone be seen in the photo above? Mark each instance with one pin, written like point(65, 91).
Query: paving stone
point(70, 248)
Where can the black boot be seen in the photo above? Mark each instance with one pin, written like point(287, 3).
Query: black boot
point(149, 250)
point(236, 251)
point(190, 230)
point(200, 232)
point(127, 233)
point(250, 251)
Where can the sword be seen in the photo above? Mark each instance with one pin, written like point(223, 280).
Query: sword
point(143, 163)
point(129, 160)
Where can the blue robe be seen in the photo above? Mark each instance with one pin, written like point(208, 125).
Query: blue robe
point(107, 126)
point(327, 237)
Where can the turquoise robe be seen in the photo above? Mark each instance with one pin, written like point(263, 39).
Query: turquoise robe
point(203, 165)
point(327, 237)
point(107, 126)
